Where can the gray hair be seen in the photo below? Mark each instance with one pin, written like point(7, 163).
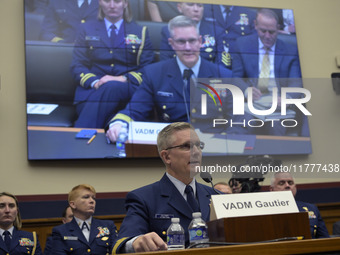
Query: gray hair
point(181, 21)
point(275, 176)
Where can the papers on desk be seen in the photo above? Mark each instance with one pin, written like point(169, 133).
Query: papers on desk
point(226, 144)
point(265, 103)
point(43, 109)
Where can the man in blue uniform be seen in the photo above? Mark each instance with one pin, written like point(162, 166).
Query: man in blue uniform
point(12, 239)
point(284, 181)
point(236, 21)
point(165, 89)
point(83, 234)
point(150, 208)
point(213, 40)
point(108, 57)
point(63, 18)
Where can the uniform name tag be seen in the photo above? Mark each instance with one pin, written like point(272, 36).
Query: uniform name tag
point(92, 38)
point(164, 216)
point(165, 94)
point(71, 238)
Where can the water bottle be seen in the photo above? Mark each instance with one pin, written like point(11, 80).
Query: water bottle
point(175, 235)
point(198, 231)
point(120, 143)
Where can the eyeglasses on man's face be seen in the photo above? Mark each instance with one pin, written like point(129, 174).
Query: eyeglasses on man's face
point(183, 42)
point(188, 146)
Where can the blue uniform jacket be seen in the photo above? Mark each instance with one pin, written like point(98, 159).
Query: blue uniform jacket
point(22, 243)
point(63, 18)
point(317, 225)
point(151, 208)
point(162, 91)
point(213, 40)
point(94, 55)
point(69, 239)
point(240, 21)
point(245, 60)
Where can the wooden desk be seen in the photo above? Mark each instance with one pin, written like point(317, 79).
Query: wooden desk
point(310, 246)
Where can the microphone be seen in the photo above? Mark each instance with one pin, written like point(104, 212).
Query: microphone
point(206, 176)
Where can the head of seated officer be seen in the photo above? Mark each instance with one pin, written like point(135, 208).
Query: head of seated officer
point(67, 215)
point(150, 208)
point(15, 241)
point(282, 181)
point(87, 233)
point(223, 187)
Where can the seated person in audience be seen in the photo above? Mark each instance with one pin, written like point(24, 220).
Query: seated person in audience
point(36, 6)
point(165, 87)
point(213, 36)
point(266, 62)
point(282, 181)
point(84, 233)
point(67, 216)
point(336, 228)
point(13, 240)
point(236, 21)
point(108, 56)
point(162, 11)
point(223, 187)
point(177, 194)
point(63, 18)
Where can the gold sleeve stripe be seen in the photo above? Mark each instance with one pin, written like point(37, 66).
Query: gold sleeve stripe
point(141, 46)
point(114, 250)
point(85, 77)
point(35, 242)
point(120, 116)
point(138, 76)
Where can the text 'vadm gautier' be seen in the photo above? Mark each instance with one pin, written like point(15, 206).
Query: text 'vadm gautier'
point(258, 204)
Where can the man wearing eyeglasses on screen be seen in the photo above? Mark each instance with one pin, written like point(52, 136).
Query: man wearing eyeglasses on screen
point(177, 194)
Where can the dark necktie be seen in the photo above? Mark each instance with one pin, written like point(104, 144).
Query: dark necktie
point(191, 199)
point(7, 239)
point(186, 77)
point(113, 35)
point(85, 226)
point(84, 6)
point(227, 12)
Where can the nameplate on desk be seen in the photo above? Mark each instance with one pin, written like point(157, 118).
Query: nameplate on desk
point(252, 204)
point(145, 132)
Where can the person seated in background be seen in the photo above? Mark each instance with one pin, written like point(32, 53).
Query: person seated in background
point(13, 240)
point(36, 6)
point(212, 46)
point(108, 56)
point(177, 194)
point(266, 62)
point(84, 233)
point(223, 187)
point(282, 181)
point(336, 228)
point(67, 216)
point(63, 18)
point(166, 86)
point(236, 21)
point(162, 11)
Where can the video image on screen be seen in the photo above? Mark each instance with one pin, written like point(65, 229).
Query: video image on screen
point(104, 77)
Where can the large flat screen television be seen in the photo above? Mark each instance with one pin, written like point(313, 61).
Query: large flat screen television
point(250, 101)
